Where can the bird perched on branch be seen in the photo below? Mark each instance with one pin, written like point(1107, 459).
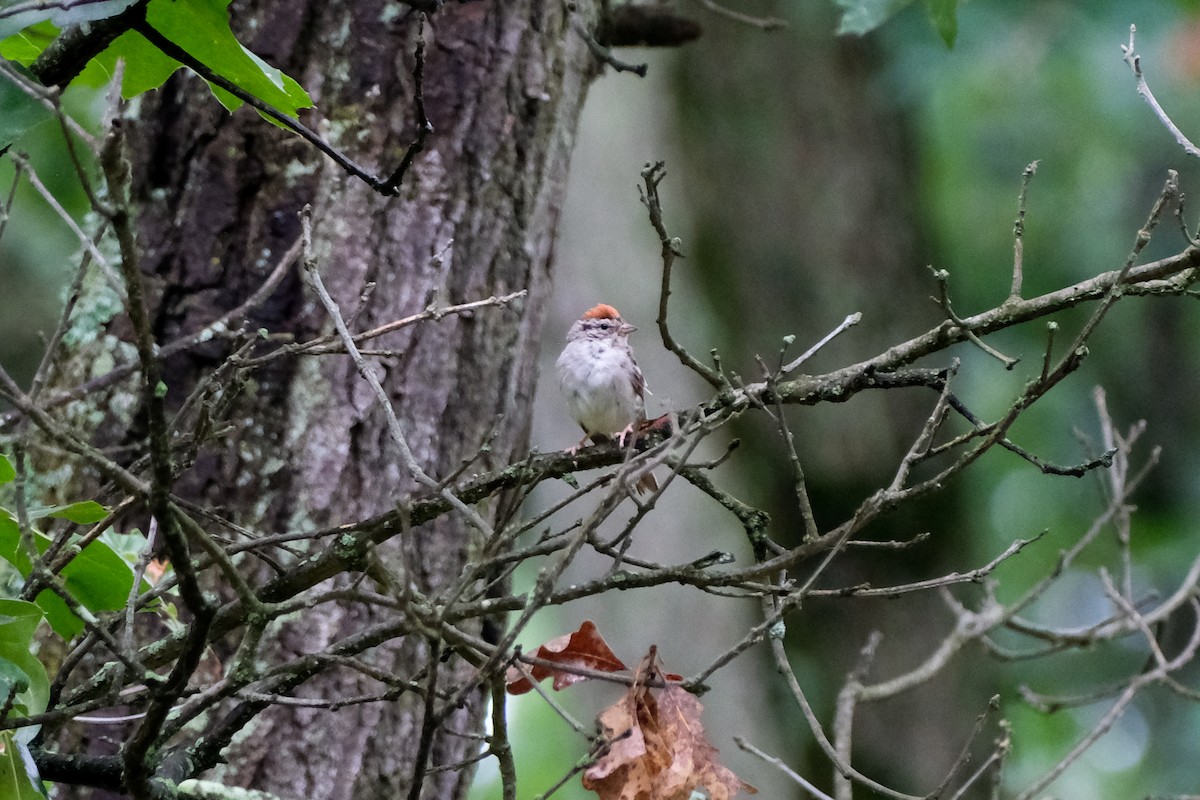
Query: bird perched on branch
point(602, 382)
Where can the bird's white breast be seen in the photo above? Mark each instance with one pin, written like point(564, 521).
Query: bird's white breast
point(595, 377)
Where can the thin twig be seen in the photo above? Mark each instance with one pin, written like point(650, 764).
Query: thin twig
point(943, 299)
point(762, 23)
point(1134, 61)
point(845, 324)
point(368, 374)
point(1115, 712)
point(785, 669)
point(85, 240)
point(1019, 232)
point(782, 767)
point(605, 54)
point(652, 176)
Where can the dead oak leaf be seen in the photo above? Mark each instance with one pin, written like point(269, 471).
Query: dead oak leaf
point(694, 764)
point(637, 753)
point(585, 648)
point(658, 750)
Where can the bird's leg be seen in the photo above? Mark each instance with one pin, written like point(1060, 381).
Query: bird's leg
point(575, 448)
point(627, 431)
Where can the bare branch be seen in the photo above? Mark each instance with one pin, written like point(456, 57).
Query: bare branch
point(1019, 232)
point(1134, 61)
point(652, 176)
point(762, 23)
point(847, 323)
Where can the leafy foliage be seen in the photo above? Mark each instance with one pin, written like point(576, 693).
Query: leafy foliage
point(200, 28)
point(19, 668)
point(95, 577)
point(16, 781)
point(23, 679)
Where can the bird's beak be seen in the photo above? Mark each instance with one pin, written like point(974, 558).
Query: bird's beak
point(627, 329)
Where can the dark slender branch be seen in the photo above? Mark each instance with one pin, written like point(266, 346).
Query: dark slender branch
point(137, 753)
point(200, 68)
point(391, 186)
point(116, 169)
point(429, 721)
point(644, 25)
point(78, 769)
point(388, 187)
point(652, 176)
point(605, 54)
point(70, 52)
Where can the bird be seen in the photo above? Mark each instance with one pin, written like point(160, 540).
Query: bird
point(602, 382)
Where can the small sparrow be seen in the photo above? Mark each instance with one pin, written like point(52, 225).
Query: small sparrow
point(602, 381)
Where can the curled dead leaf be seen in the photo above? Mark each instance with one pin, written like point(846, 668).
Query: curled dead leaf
point(658, 750)
point(585, 648)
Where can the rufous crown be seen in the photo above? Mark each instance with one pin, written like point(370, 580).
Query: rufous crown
point(602, 311)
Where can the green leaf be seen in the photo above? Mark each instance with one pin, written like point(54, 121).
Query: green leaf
point(19, 113)
point(863, 16)
point(231, 101)
point(84, 512)
point(201, 27)
point(12, 676)
point(98, 578)
point(146, 67)
point(7, 473)
point(18, 774)
point(16, 782)
point(26, 46)
point(18, 624)
point(944, 14)
point(9, 530)
point(72, 14)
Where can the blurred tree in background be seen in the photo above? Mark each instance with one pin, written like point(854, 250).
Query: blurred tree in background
point(825, 173)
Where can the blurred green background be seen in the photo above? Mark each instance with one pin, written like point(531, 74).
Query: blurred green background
point(812, 176)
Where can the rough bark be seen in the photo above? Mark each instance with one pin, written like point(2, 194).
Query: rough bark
point(476, 216)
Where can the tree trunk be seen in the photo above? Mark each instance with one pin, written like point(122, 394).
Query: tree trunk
point(308, 448)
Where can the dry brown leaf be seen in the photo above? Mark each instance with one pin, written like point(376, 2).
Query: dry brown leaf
point(695, 763)
point(584, 648)
point(636, 754)
point(658, 749)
